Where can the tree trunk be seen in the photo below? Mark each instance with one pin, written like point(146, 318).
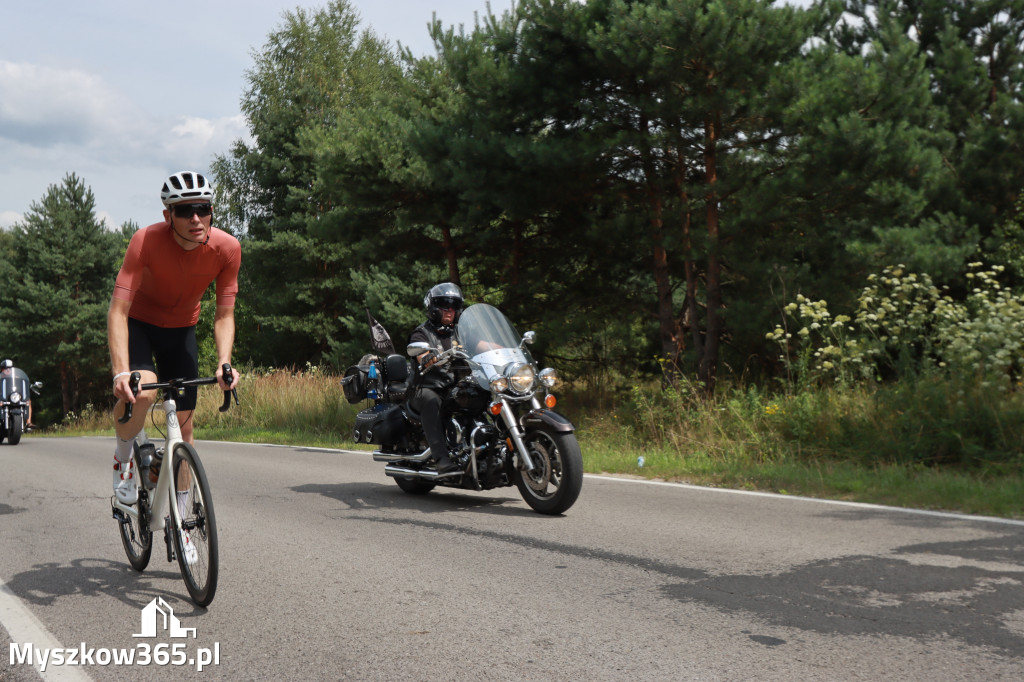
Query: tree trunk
point(450, 254)
point(666, 313)
point(65, 388)
point(662, 280)
point(690, 322)
point(708, 369)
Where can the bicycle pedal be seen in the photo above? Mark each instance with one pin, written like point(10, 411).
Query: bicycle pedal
point(168, 542)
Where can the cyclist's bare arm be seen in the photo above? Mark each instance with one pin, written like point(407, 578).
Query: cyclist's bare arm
point(224, 340)
point(117, 339)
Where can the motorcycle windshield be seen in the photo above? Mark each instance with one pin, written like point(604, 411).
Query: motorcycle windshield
point(489, 338)
point(13, 380)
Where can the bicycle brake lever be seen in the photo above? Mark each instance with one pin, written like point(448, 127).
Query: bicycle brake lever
point(133, 382)
point(228, 378)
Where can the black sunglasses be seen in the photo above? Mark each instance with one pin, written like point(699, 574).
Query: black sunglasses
point(448, 302)
point(186, 210)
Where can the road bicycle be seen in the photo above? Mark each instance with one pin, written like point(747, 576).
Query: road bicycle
point(188, 518)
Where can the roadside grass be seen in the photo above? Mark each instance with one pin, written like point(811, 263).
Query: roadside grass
point(926, 445)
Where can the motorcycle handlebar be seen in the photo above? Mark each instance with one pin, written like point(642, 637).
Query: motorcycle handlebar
point(444, 357)
point(135, 385)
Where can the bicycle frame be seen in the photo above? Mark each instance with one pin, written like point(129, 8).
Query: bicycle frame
point(161, 492)
point(180, 467)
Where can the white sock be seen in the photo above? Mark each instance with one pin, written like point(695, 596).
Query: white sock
point(182, 502)
point(123, 450)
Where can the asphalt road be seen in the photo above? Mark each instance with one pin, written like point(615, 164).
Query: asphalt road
point(330, 572)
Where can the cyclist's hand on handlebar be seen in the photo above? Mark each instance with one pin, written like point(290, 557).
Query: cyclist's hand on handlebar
point(134, 380)
point(227, 377)
point(122, 389)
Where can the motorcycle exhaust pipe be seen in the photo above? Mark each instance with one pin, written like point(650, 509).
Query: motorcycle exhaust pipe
point(392, 470)
point(379, 456)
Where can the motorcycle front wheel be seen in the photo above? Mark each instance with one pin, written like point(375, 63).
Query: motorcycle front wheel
point(17, 427)
point(555, 483)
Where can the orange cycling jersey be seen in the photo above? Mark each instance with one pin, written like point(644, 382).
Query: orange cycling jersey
point(164, 283)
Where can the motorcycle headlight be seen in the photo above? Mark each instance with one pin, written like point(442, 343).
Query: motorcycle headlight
point(499, 384)
point(548, 377)
point(521, 377)
point(15, 397)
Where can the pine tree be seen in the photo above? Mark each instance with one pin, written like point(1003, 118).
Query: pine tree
point(312, 70)
point(60, 276)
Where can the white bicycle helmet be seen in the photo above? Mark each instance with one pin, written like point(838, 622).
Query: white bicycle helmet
point(185, 186)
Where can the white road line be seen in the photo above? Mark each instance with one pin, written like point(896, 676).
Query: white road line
point(731, 491)
point(799, 498)
point(25, 628)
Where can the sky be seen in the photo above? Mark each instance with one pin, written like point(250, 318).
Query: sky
point(123, 93)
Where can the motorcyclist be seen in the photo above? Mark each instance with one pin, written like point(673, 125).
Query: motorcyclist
point(443, 304)
point(15, 379)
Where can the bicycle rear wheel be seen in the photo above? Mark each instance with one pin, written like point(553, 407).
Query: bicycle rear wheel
point(199, 565)
point(135, 534)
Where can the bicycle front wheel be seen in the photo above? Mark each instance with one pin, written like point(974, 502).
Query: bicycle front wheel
point(195, 540)
point(135, 534)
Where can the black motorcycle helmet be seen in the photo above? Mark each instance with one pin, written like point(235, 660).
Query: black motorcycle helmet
point(444, 295)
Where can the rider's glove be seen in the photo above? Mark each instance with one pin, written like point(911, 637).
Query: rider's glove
point(428, 359)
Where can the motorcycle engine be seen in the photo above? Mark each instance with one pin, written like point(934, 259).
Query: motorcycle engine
point(469, 397)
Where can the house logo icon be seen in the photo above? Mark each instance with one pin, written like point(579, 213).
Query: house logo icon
point(151, 619)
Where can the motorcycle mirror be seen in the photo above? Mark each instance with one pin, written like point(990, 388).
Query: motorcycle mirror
point(36, 385)
point(417, 348)
point(528, 337)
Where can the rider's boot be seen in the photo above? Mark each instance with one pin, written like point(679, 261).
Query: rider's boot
point(446, 466)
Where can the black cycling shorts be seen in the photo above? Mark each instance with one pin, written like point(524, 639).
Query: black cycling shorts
point(175, 350)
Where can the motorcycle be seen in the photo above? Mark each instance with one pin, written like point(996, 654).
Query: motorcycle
point(500, 431)
point(14, 394)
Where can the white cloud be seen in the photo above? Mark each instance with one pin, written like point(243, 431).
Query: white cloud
point(53, 118)
point(120, 97)
point(8, 218)
point(43, 106)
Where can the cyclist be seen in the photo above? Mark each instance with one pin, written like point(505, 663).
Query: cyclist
point(155, 307)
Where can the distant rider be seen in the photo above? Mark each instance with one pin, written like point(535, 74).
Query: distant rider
point(15, 379)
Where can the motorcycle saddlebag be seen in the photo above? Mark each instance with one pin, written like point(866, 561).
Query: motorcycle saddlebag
point(354, 383)
point(381, 425)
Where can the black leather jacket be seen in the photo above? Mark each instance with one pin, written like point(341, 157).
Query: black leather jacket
point(437, 378)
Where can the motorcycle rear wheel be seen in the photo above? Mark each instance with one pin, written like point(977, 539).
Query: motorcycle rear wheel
point(553, 486)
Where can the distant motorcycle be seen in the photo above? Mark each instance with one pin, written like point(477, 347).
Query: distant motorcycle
point(501, 428)
point(14, 396)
